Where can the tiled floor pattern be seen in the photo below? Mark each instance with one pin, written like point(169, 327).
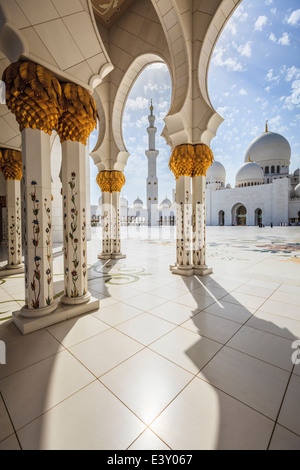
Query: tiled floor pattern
point(167, 362)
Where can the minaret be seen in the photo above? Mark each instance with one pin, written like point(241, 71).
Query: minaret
point(152, 181)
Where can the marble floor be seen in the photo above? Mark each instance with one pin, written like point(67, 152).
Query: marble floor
point(166, 362)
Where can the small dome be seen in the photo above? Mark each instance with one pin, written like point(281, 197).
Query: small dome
point(297, 172)
point(297, 190)
point(269, 146)
point(217, 171)
point(138, 203)
point(166, 203)
point(123, 201)
point(250, 172)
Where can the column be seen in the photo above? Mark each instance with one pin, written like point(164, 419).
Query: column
point(77, 121)
point(11, 167)
point(203, 160)
point(33, 94)
point(117, 183)
point(103, 180)
point(181, 163)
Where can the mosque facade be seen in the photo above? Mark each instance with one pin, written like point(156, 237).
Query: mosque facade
point(265, 192)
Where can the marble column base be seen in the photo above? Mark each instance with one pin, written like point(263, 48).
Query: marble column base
point(182, 270)
point(117, 256)
point(83, 299)
point(202, 270)
point(10, 270)
point(61, 313)
point(104, 256)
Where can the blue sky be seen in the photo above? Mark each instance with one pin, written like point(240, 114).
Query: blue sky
point(254, 76)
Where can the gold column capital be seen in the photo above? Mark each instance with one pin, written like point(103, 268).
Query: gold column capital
point(203, 159)
point(111, 181)
point(11, 164)
point(33, 95)
point(181, 161)
point(79, 114)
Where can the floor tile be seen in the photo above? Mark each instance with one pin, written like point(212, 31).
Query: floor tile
point(6, 428)
point(26, 350)
point(246, 300)
point(167, 292)
point(220, 421)
point(247, 379)
point(117, 313)
point(92, 419)
point(265, 346)
point(122, 292)
point(105, 351)
point(212, 327)
point(212, 292)
point(282, 309)
point(148, 441)
point(290, 411)
point(195, 301)
point(36, 389)
point(187, 349)
point(230, 311)
point(145, 328)
point(284, 440)
point(275, 324)
point(77, 329)
point(10, 443)
point(286, 297)
point(145, 301)
point(146, 383)
point(173, 312)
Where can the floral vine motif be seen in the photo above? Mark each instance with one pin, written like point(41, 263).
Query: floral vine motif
point(12, 233)
point(18, 230)
point(48, 253)
point(36, 281)
point(74, 240)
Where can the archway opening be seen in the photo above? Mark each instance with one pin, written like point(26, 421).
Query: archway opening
point(239, 215)
point(258, 218)
point(221, 218)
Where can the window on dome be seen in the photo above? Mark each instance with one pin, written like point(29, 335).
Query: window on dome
point(267, 170)
point(278, 169)
point(273, 169)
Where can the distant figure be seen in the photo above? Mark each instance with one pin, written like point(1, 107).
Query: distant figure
point(271, 225)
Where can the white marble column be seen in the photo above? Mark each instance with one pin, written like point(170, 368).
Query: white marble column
point(184, 262)
point(106, 226)
point(14, 239)
point(199, 226)
point(38, 224)
point(74, 213)
point(116, 228)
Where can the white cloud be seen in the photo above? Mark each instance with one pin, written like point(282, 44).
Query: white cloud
point(268, 2)
point(231, 63)
point(284, 40)
point(138, 103)
point(292, 73)
point(294, 98)
point(271, 77)
point(245, 50)
point(272, 37)
point(260, 23)
point(294, 19)
point(243, 92)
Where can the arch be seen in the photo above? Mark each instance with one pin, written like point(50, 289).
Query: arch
point(258, 217)
point(267, 170)
point(127, 82)
point(221, 218)
point(239, 214)
point(272, 169)
point(278, 169)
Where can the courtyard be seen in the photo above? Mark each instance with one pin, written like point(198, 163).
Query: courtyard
point(167, 362)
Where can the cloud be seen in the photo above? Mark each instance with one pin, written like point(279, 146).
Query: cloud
point(284, 40)
point(269, 2)
point(292, 73)
point(271, 77)
point(294, 19)
point(245, 50)
point(138, 103)
point(293, 100)
point(231, 63)
point(260, 23)
point(243, 92)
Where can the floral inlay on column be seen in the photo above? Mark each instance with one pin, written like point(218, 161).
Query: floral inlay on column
point(49, 300)
point(72, 236)
point(36, 280)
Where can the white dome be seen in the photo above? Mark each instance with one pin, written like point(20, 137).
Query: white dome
point(166, 203)
point(138, 204)
point(269, 147)
point(123, 201)
point(297, 172)
point(217, 171)
point(297, 190)
point(250, 172)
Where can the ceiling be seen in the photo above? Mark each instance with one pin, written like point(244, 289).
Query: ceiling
point(109, 11)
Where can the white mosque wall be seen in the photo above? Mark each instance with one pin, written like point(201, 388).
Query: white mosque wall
point(57, 223)
point(273, 199)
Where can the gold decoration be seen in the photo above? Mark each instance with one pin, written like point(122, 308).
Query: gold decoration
point(182, 160)
point(33, 95)
point(267, 130)
point(203, 159)
point(111, 181)
point(191, 160)
point(79, 114)
point(11, 164)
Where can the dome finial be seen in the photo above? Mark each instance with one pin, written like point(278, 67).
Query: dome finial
point(249, 159)
point(267, 130)
point(151, 108)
